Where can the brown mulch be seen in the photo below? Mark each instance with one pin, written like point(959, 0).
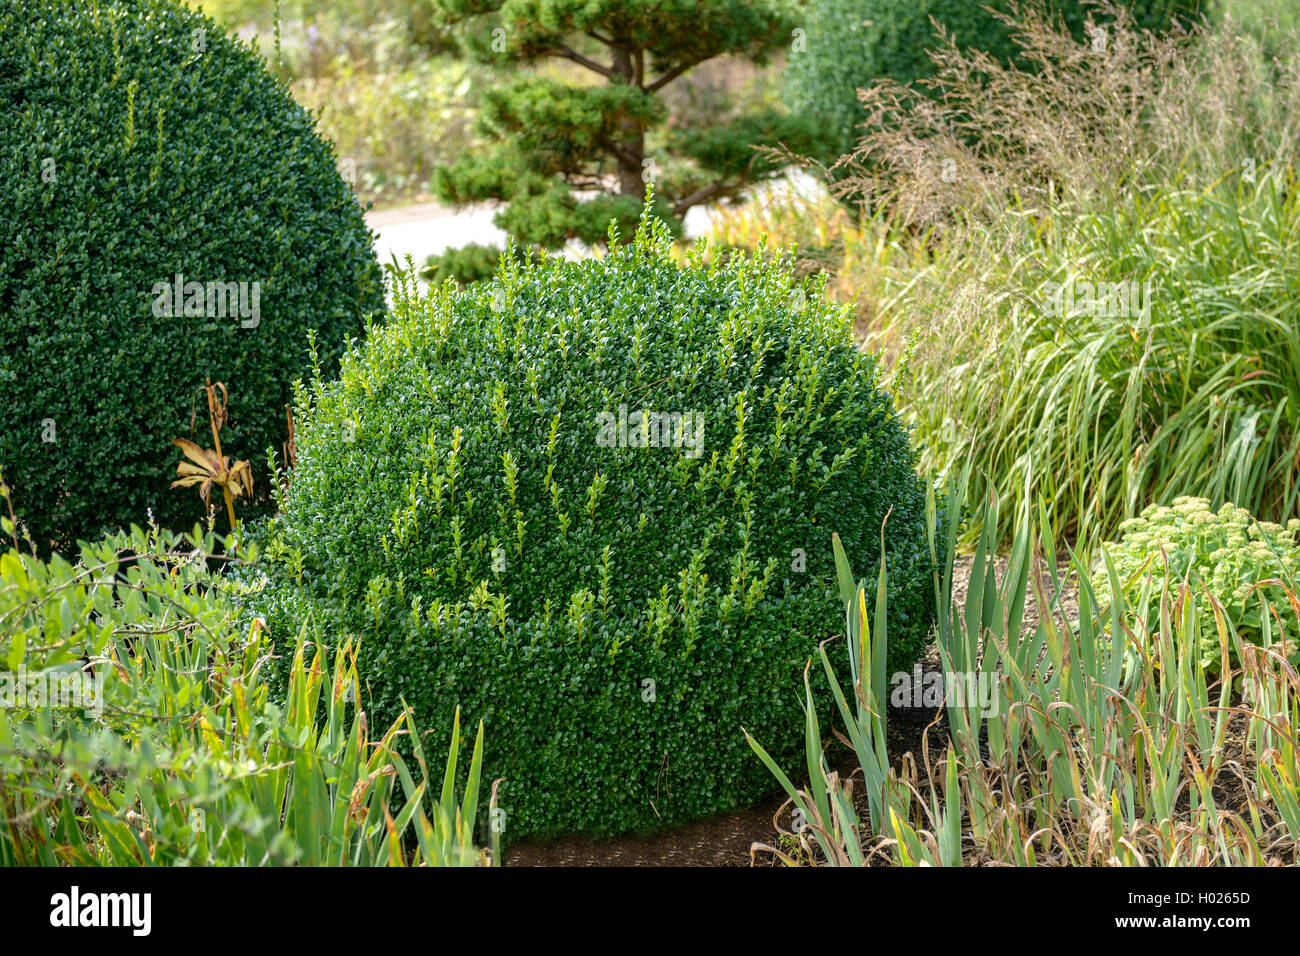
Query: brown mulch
point(717, 841)
point(727, 840)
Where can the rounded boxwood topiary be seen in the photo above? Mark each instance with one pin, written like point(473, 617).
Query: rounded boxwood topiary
point(141, 143)
point(849, 44)
point(592, 504)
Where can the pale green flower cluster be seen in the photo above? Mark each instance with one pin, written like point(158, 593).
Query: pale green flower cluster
point(1230, 552)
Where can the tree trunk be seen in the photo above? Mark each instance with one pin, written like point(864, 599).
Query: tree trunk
point(631, 142)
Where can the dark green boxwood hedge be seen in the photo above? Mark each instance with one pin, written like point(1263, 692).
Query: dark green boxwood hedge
point(614, 613)
point(852, 43)
point(140, 142)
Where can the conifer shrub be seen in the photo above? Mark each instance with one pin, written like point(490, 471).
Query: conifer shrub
point(591, 503)
point(469, 263)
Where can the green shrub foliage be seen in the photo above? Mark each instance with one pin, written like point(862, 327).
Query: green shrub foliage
point(850, 44)
point(141, 142)
point(474, 500)
point(470, 263)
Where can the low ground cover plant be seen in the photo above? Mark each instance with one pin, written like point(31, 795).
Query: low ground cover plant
point(137, 727)
point(589, 503)
point(1242, 569)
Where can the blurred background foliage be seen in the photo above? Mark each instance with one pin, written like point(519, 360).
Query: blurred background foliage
point(394, 94)
point(398, 98)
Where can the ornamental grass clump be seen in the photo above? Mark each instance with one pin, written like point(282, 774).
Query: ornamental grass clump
point(850, 45)
point(590, 503)
point(1245, 566)
point(1088, 267)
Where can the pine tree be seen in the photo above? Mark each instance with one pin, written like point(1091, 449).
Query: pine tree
point(554, 140)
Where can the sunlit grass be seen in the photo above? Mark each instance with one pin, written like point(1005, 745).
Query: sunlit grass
point(1175, 183)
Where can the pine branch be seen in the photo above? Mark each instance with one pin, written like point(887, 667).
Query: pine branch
point(626, 158)
point(704, 194)
point(668, 77)
point(570, 54)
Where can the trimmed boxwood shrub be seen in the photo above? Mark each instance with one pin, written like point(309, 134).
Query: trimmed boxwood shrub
point(852, 43)
point(473, 498)
point(141, 142)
